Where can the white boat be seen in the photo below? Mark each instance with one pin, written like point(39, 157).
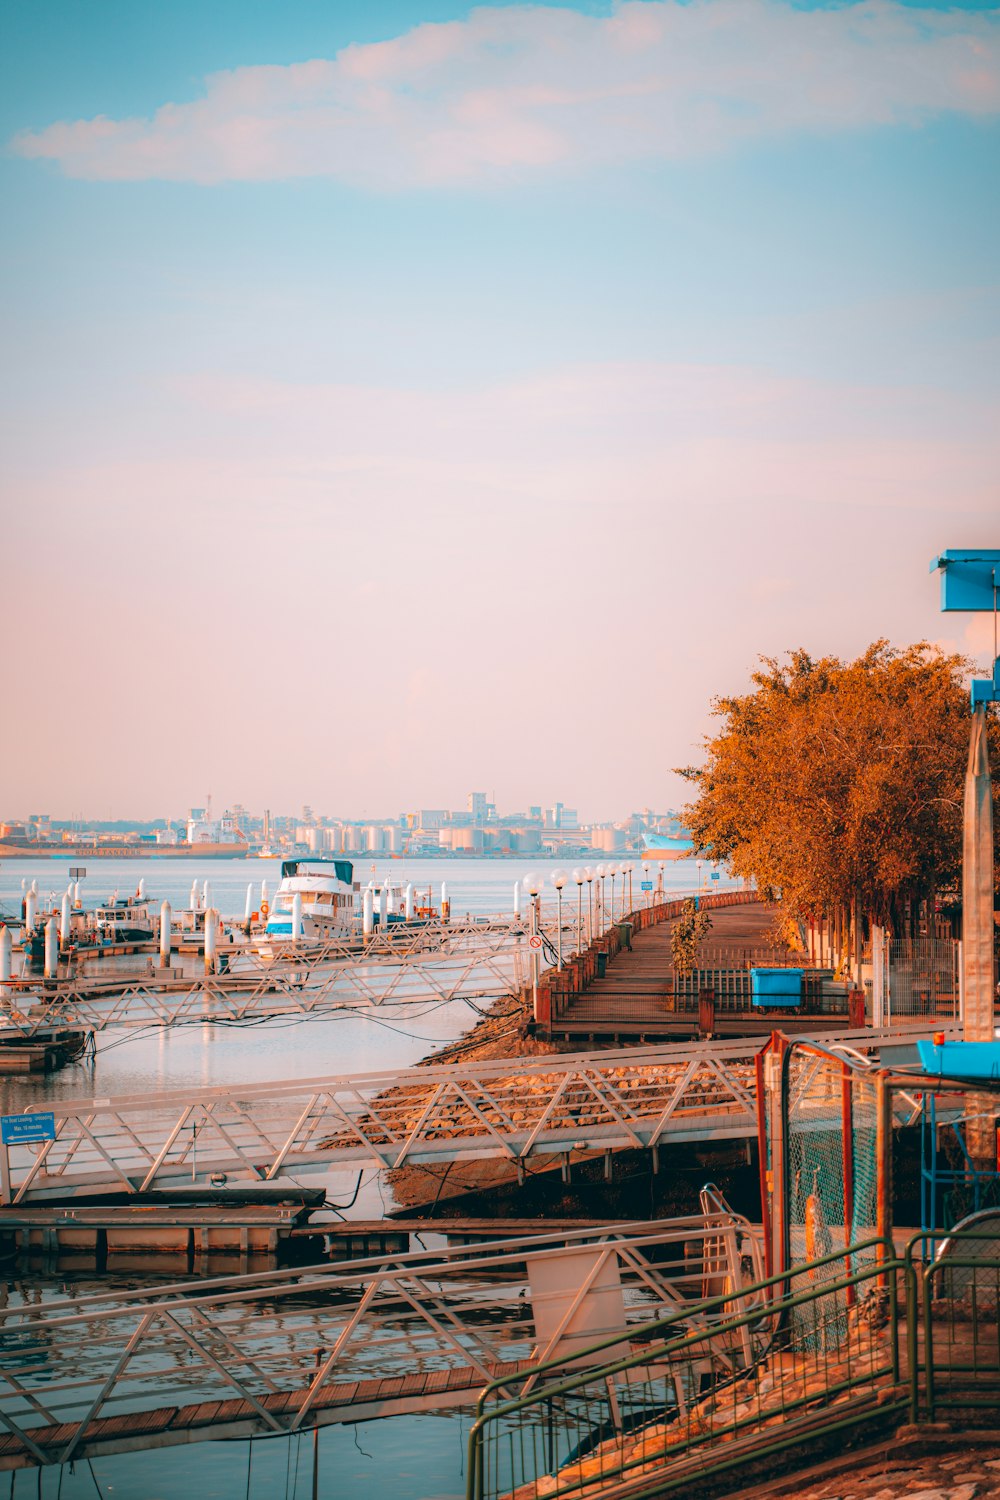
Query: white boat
point(125, 919)
point(326, 888)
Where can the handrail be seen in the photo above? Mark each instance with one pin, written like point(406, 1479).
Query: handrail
point(662, 1352)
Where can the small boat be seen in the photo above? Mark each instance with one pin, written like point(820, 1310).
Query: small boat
point(326, 887)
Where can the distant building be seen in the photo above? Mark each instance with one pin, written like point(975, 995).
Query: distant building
point(478, 808)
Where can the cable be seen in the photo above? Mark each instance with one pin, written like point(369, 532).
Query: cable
point(93, 1476)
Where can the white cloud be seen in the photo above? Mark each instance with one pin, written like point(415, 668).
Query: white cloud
point(511, 91)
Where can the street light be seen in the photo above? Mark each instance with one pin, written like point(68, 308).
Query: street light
point(531, 882)
point(612, 871)
point(646, 881)
point(559, 878)
point(600, 874)
point(588, 876)
point(579, 877)
point(627, 875)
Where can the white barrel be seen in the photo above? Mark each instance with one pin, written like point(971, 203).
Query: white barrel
point(6, 959)
point(51, 948)
point(409, 901)
point(368, 912)
point(194, 896)
point(64, 921)
point(296, 916)
point(141, 892)
point(383, 906)
point(211, 938)
point(248, 905)
point(30, 910)
point(165, 935)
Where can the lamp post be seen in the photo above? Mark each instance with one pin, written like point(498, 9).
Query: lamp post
point(588, 876)
point(578, 876)
point(627, 868)
point(601, 875)
point(698, 862)
point(531, 882)
point(646, 881)
point(559, 878)
point(613, 871)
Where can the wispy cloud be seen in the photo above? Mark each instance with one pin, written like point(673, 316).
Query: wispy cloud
point(531, 88)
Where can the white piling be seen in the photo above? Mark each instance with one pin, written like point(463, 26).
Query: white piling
point(141, 892)
point(30, 910)
point(296, 916)
point(6, 960)
point(248, 905)
point(263, 893)
point(368, 912)
point(34, 887)
point(194, 896)
point(517, 900)
point(64, 921)
point(409, 901)
point(445, 903)
point(390, 904)
point(383, 906)
point(51, 948)
point(206, 895)
point(165, 935)
point(211, 938)
point(77, 903)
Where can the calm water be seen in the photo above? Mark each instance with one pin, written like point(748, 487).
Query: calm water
point(408, 1458)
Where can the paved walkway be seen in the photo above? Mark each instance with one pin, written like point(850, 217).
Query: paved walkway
point(636, 999)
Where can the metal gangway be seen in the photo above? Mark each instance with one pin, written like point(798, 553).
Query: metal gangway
point(519, 1108)
point(286, 1351)
point(435, 963)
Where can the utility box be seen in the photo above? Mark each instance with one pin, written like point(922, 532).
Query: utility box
point(775, 987)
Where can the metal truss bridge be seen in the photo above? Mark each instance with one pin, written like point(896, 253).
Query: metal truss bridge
point(286, 1351)
point(517, 1108)
point(436, 963)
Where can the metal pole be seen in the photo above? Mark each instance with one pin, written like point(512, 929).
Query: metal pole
point(559, 926)
point(319, 1354)
point(579, 914)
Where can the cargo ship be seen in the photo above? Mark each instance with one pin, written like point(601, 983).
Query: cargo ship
point(222, 840)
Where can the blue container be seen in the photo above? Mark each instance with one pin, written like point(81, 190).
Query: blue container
point(778, 987)
point(961, 1059)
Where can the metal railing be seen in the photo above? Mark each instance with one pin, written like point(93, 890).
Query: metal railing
point(854, 1339)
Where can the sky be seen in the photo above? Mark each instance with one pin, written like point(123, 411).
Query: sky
point(413, 398)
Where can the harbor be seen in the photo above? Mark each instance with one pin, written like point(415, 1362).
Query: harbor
point(500, 796)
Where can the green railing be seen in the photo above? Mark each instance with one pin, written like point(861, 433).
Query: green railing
point(804, 1354)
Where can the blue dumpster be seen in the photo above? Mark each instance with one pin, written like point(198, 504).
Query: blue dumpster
point(777, 987)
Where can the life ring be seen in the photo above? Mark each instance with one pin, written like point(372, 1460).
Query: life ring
point(264, 908)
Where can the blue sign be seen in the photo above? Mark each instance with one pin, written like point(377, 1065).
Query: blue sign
point(715, 875)
point(647, 885)
point(17, 1130)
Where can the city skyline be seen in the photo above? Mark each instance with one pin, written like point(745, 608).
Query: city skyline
point(396, 390)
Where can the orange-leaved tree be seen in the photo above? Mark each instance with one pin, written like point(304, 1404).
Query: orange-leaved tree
point(840, 784)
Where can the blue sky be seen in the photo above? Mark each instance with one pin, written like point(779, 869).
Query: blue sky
point(527, 337)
